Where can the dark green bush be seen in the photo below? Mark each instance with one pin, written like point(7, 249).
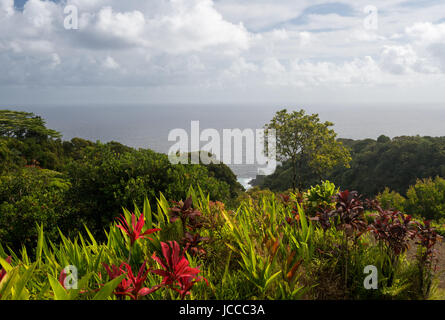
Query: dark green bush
point(28, 197)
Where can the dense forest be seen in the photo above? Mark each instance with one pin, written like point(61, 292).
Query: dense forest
point(376, 164)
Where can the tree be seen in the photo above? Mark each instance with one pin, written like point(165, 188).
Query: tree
point(19, 124)
point(303, 138)
point(383, 139)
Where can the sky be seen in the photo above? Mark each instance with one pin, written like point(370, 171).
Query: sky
point(373, 52)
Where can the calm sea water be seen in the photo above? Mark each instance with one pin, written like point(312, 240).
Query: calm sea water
point(148, 126)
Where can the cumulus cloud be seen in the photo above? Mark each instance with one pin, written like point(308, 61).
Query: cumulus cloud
point(430, 39)
point(399, 59)
point(171, 44)
point(425, 33)
point(140, 40)
point(7, 8)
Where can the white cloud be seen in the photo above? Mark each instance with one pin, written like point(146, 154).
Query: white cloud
point(399, 59)
point(40, 14)
point(175, 45)
point(110, 63)
point(426, 33)
point(307, 74)
point(6, 8)
point(122, 25)
point(194, 25)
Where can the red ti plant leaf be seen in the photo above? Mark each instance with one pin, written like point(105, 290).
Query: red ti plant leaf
point(192, 244)
point(176, 270)
point(427, 238)
point(132, 285)
point(134, 230)
point(62, 277)
point(349, 209)
point(3, 271)
point(186, 284)
point(393, 227)
point(124, 288)
point(188, 216)
point(138, 281)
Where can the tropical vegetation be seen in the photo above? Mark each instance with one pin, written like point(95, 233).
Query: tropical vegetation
point(82, 220)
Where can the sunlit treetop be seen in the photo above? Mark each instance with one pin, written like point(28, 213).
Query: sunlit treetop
point(18, 124)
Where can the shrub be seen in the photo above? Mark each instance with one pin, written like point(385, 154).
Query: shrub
point(391, 200)
point(321, 197)
point(29, 196)
point(427, 199)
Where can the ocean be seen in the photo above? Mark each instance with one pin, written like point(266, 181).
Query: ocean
point(148, 126)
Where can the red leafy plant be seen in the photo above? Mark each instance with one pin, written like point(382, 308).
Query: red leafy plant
point(297, 199)
point(393, 228)
point(349, 214)
point(293, 204)
point(193, 244)
point(176, 271)
point(185, 212)
point(285, 198)
point(134, 230)
point(3, 271)
point(427, 239)
point(349, 208)
point(324, 219)
point(131, 286)
point(292, 220)
point(62, 277)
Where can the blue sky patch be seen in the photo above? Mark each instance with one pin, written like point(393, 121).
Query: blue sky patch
point(420, 3)
point(342, 9)
point(19, 4)
point(338, 8)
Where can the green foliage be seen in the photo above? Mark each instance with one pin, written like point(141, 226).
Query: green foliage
point(321, 196)
point(391, 200)
point(265, 247)
point(24, 125)
point(303, 138)
point(427, 198)
point(85, 182)
point(224, 173)
point(269, 254)
point(31, 196)
point(394, 163)
point(104, 181)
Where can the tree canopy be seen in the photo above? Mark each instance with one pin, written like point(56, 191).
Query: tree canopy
point(19, 124)
point(303, 138)
point(396, 163)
